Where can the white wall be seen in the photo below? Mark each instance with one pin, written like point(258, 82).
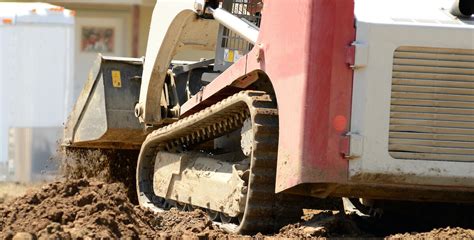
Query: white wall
point(36, 74)
point(3, 126)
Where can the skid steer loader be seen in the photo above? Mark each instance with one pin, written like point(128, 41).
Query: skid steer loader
point(364, 99)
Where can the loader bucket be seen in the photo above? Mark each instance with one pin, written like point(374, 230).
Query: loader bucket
point(103, 116)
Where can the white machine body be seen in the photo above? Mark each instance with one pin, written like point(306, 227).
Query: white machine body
point(413, 95)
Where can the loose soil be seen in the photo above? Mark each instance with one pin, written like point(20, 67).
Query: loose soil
point(84, 208)
point(99, 202)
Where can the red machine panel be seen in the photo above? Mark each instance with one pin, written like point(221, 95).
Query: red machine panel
point(302, 48)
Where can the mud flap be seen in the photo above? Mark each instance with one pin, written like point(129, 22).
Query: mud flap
point(103, 116)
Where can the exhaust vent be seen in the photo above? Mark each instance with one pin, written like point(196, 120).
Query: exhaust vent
point(432, 104)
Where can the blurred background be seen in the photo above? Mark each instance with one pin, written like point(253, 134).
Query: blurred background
point(46, 50)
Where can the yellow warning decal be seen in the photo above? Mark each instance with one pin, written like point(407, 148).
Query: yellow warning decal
point(231, 55)
point(230, 58)
point(116, 79)
point(228, 55)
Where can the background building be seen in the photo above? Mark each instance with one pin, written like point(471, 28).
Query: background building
point(110, 27)
point(36, 85)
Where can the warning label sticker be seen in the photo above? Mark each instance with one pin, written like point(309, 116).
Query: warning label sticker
point(116, 79)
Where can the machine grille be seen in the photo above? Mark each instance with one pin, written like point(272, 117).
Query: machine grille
point(432, 104)
point(232, 46)
point(240, 8)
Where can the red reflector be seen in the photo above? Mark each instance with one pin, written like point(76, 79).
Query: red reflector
point(340, 123)
point(7, 21)
point(56, 9)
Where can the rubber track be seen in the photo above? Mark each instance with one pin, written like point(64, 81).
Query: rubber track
point(217, 120)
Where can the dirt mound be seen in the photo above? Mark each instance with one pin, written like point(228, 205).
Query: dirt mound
point(323, 224)
point(97, 199)
point(93, 209)
point(83, 208)
point(440, 233)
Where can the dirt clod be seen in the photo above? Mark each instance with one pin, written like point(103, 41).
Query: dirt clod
point(23, 236)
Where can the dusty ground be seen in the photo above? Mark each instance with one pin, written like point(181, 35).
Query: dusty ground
point(75, 209)
point(83, 208)
point(9, 190)
point(95, 204)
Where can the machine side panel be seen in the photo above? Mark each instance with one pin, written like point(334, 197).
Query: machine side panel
point(328, 92)
point(321, 97)
point(302, 48)
point(377, 86)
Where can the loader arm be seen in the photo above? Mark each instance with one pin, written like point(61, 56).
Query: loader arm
point(175, 27)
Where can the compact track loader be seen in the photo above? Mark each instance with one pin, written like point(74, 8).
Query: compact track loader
point(370, 100)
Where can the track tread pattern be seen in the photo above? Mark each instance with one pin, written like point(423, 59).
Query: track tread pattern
point(212, 122)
